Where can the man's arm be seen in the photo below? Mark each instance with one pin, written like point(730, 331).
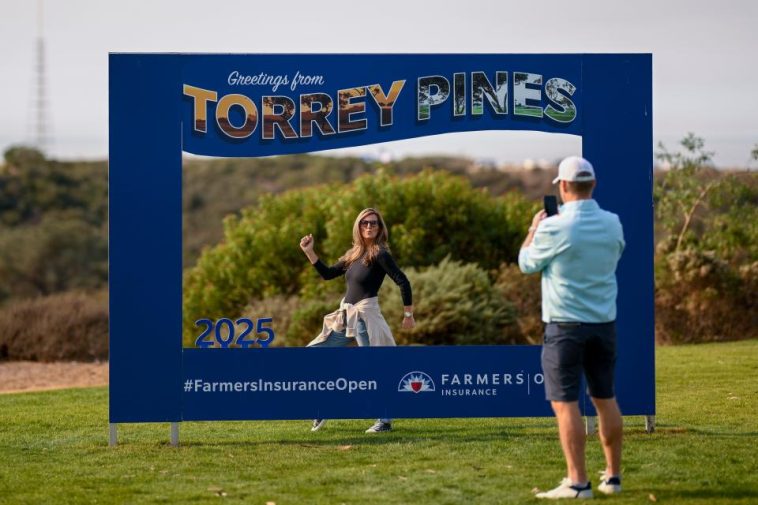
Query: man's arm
point(541, 245)
point(536, 220)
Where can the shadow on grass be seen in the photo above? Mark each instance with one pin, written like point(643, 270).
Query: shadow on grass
point(673, 431)
point(403, 436)
point(710, 494)
point(335, 436)
point(724, 434)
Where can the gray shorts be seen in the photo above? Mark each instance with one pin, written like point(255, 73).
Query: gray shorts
point(570, 349)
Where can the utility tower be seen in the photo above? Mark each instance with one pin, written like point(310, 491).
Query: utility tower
point(40, 109)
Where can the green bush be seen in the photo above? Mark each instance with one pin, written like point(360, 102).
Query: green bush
point(430, 216)
point(60, 253)
point(32, 186)
point(454, 304)
point(730, 229)
point(62, 327)
point(307, 320)
point(216, 188)
point(702, 298)
point(434, 215)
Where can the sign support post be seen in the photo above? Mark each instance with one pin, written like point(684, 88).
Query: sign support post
point(112, 435)
point(174, 435)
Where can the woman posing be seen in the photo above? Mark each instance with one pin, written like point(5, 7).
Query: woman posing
point(359, 317)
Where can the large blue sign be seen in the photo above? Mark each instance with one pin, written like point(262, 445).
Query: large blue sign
point(262, 105)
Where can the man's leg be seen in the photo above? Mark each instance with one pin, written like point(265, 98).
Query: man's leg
point(600, 361)
point(562, 351)
point(571, 430)
point(611, 433)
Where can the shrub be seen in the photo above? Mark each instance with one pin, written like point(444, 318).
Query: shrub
point(701, 298)
point(524, 293)
point(454, 303)
point(281, 309)
point(60, 253)
point(213, 189)
point(434, 215)
point(32, 186)
point(62, 327)
point(731, 229)
point(307, 320)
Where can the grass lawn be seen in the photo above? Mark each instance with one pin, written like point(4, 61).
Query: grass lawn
point(53, 449)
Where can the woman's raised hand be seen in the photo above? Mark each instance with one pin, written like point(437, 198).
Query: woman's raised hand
point(306, 243)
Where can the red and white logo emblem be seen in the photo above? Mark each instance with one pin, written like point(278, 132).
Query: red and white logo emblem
point(416, 382)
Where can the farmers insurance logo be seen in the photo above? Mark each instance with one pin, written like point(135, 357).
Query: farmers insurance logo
point(416, 382)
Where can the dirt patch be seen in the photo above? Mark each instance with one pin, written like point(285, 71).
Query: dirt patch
point(23, 376)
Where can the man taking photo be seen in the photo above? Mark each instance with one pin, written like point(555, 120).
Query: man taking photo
point(577, 251)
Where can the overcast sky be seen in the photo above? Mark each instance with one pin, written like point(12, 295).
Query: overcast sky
point(704, 53)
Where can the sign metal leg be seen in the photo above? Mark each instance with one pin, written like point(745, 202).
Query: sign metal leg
point(175, 434)
point(650, 424)
point(112, 435)
point(589, 422)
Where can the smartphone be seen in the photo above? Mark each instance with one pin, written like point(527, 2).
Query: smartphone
point(551, 205)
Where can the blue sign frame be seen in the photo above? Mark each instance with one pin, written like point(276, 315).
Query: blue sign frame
point(164, 104)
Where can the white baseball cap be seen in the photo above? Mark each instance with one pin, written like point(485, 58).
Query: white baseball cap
point(575, 168)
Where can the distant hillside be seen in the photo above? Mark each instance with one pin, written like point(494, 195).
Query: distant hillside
point(53, 225)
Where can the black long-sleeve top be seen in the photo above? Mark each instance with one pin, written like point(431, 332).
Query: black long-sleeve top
point(364, 281)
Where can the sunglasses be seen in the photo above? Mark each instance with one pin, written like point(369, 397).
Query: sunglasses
point(366, 223)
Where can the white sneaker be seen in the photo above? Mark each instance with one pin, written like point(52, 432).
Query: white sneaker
point(608, 484)
point(379, 427)
point(567, 490)
point(317, 424)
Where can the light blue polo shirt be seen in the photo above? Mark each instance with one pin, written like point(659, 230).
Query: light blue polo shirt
point(577, 251)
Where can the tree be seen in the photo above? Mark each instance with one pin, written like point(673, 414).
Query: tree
point(58, 254)
point(21, 157)
point(706, 269)
point(682, 191)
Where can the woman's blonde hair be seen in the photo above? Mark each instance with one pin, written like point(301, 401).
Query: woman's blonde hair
point(360, 249)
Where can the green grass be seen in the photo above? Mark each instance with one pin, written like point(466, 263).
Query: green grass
point(53, 449)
